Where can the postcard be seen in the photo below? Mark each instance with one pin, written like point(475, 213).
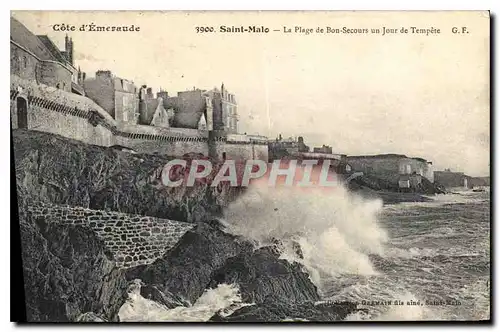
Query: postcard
point(251, 166)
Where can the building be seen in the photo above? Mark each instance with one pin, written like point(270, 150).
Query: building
point(111, 111)
point(391, 167)
point(282, 147)
point(450, 179)
point(214, 109)
point(323, 149)
point(410, 182)
point(118, 96)
point(481, 181)
point(37, 58)
point(295, 148)
point(229, 110)
point(192, 109)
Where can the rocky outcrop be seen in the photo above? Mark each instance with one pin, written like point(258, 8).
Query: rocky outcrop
point(68, 272)
point(206, 257)
point(57, 170)
point(70, 275)
point(368, 182)
point(261, 275)
point(273, 311)
point(280, 290)
point(187, 269)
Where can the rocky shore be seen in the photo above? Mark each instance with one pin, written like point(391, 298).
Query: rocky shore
point(70, 275)
point(207, 257)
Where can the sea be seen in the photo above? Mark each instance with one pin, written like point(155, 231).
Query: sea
point(435, 265)
point(400, 262)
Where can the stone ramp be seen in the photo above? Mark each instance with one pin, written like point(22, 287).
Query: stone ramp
point(132, 239)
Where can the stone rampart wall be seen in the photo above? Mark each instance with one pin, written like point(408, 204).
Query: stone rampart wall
point(133, 240)
point(55, 111)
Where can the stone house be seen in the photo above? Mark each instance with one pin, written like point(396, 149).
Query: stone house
point(390, 167)
point(118, 96)
point(450, 179)
point(111, 111)
point(37, 58)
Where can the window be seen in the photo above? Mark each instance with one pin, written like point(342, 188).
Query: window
point(125, 116)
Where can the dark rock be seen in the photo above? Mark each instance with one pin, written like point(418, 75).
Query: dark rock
point(262, 275)
point(187, 269)
point(166, 298)
point(68, 272)
point(274, 311)
point(51, 168)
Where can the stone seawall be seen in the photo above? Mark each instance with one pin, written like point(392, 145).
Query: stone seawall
point(47, 109)
point(132, 239)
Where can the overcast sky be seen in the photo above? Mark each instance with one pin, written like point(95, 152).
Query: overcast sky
point(423, 96)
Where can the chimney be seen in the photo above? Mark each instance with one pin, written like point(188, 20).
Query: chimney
point(149, 93)
point(68, 47)
point(103, 74)
point(162, 94)
point(71, 51)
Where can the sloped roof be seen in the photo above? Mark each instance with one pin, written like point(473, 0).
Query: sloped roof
point(202, 123)
point(124, 85)
point(160, 117)
point(146, 117)
point(22, 36)
point(77, 89)
point(184, 119)
point(52, 48)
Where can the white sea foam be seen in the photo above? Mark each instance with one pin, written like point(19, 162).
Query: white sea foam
point(336, 230)
point(464, 197)
point(224, 299)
